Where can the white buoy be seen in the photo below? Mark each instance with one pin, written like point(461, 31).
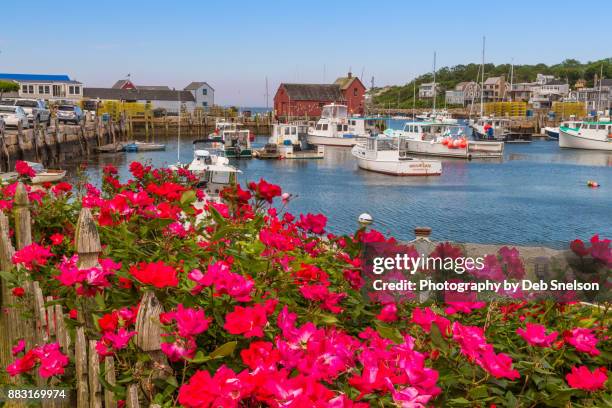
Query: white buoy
point(365, 219)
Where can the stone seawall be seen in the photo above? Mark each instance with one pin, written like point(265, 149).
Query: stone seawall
point(55, 143)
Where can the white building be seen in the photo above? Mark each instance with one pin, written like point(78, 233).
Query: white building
point(47, 87)
point(427, 90)
point(196, 94)
point(463, 93)
point(203, 93)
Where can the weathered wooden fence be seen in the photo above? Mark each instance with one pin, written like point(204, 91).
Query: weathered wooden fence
point(37, 320)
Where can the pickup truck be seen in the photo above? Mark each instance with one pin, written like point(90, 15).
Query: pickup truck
point(35, 109)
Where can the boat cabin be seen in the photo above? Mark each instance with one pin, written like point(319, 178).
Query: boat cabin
point(432, 130)
point(335, 122)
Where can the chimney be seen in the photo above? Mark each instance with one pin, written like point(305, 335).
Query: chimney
point(350, 74)
point(422, 232)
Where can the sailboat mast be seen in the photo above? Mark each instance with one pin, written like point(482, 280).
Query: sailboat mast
point(435, 94)
point(178, 142)
point(482, 78)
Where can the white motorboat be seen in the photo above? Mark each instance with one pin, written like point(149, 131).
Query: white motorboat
point(495, 129)
point(212, 169)
point(288, 141)
point(337, 128)
point(552, 133)
point(44, 175)
point(588, 136)
point(234, 141)
point(444, 140)
point(388, 155)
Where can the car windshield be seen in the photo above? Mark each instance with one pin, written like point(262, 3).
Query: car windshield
point(7, 109)
point(28, 104)
point(65, 108)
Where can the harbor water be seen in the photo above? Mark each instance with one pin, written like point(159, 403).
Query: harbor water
point(536, 195)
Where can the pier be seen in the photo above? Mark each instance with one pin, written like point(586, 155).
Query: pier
point(57, 142)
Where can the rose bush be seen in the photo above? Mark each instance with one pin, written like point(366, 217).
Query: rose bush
point(263, 308)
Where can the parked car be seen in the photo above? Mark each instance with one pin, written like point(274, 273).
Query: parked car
point(69, 113)
point(35, 109)
point(13, 115)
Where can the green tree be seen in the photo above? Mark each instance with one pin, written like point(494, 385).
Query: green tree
point(8, 86)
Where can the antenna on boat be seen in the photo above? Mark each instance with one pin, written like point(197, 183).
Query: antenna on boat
point(511, 75)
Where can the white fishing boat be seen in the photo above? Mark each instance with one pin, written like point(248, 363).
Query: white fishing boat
point(444, 140)
point(496, 129)
point(212, 169)
point(232, 140)
point(288, 141)
point(552, 133)
point(337, 128)
point(588, 136)
point(388, 155)
point(44, 175)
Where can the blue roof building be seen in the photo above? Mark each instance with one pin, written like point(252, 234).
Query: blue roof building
point(44, 86)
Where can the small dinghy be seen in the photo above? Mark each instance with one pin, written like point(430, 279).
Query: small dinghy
point(9, 177)
point(144, 147)
point(45, 175)
point(110, 148)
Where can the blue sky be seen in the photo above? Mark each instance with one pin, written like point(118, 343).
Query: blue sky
point(234, 45)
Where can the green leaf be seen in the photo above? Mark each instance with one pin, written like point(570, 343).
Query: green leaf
point(390, 333)
point(459, 402)
point(479, 392)
point(188, 197)
point(437, 339)
point(224, 350)
point(199, 358)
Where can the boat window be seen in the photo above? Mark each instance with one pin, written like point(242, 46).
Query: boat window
point(602, 127)
point(593, 127)
point(339, 128)
point(426, 129)
point(318, 126)
point(286, 130)
point(324, 127)
point(293, 130)
point(345, 128)
point(220, 177)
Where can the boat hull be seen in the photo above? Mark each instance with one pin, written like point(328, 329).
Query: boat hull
point(49, 176)
point(332, 141)
point(552, 133)
point(414, 167)
point(571, 141)
point(389, 163)
point(472, 150)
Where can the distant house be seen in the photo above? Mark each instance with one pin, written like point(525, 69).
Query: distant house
point(48, 87)
point(428, 90)
point(544, 94)
point(127, 84)
point(597, 98)
point(203, 93)
point(308, 99)
point(196, 94)
point(494, 89)
point(463, 93)
point(170, 100)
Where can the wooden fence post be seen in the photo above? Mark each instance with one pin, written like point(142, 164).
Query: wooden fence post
point(87, 240)
point(23, 221)
point(81, 365)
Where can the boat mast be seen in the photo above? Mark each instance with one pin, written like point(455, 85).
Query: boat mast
point(435, 94)
point(414, 98)
point(482, 78)
point(267, 96)
point(178, 142)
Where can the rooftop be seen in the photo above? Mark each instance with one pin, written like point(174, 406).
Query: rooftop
point(36, 78)
point(313, 92)
point(195, 85)
point(138, 94)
